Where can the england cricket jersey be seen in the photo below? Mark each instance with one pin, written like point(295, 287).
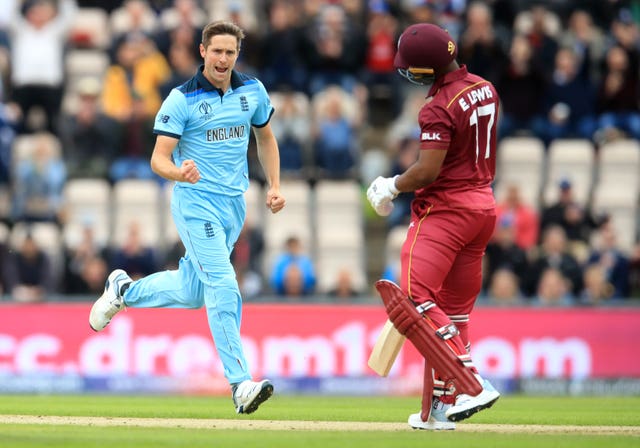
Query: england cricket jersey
point(213, 128)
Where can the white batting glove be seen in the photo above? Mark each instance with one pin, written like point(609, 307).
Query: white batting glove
point(380, 194)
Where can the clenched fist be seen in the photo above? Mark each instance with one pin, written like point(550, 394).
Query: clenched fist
point(275, 201)
point(189, 172)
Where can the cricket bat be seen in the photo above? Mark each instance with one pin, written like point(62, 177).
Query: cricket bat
point(386, 349)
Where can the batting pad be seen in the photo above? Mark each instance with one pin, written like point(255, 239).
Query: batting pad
point(423, 334)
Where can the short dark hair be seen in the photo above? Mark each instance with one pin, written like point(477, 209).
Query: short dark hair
point(221, 27)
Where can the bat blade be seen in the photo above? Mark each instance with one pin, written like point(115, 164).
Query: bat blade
point(386, 349)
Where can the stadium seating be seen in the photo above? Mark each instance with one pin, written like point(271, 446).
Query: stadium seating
point(255, 199)
point(620, 164)
point(573, 160)
point(521, 160)
point(137, 200)
point(617, 191)
point(81, 64)
point(86, 202)
point(90, 29)
point(338, 216)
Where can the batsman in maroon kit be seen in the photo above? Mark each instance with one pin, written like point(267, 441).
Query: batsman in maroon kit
point(452, 220)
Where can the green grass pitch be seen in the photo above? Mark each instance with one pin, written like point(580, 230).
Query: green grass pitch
point(301, 422)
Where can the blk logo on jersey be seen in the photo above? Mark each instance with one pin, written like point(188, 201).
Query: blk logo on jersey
point(431, 136)
point(206, 110)
point(163, 118)
point(244, 104)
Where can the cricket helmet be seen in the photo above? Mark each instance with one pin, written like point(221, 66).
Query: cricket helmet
point(424, 48)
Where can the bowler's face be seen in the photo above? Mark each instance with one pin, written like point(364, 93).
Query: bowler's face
point(219, 59)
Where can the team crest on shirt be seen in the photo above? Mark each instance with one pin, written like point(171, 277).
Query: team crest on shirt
point(206, 110)
point(244, 104)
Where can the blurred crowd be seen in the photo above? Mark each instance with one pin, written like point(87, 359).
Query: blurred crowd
point(81, 81)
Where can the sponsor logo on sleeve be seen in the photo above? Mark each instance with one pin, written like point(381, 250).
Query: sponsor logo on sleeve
point(430, 136)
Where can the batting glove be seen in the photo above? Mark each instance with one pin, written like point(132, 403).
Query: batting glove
point(380, 194)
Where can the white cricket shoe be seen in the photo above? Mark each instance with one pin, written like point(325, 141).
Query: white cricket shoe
point(437, 420)
point(248, 395)
point(110, 302)
point(467, 405)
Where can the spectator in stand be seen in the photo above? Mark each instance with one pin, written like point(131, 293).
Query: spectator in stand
point(577, 222)
point(137, 73)
point(420, 11)
point(553, 253)
point(522, 87)
point(587, 41)
point(293, 286)
point(90, 139)
point(334, 50)
point(133, 255)
point(504, 289)
point(606, 254)
point(344, 288)
point(618, 99)
point(524, 217)
point(596, 287)
point(503, 253)
point(292, 129)
point(624, 32)
point(504, 13)
point(94, 274)
point(181, 25)
point(183, 65)
point(482, 46)
point(85, 264)
point(134, 17)
point(29, 272)
point(569, 107)
point(553, 289)
point(244, 16)
point(38, 182)
point(38, 41)
point(335, 131)
point(131, 95)
point(450, 14)
point(281, 63)
point(380, 75)
point(293, 267)
point(541, 38)
point(132, 162)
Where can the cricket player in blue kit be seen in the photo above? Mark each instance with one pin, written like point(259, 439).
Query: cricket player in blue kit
point(203, 129)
